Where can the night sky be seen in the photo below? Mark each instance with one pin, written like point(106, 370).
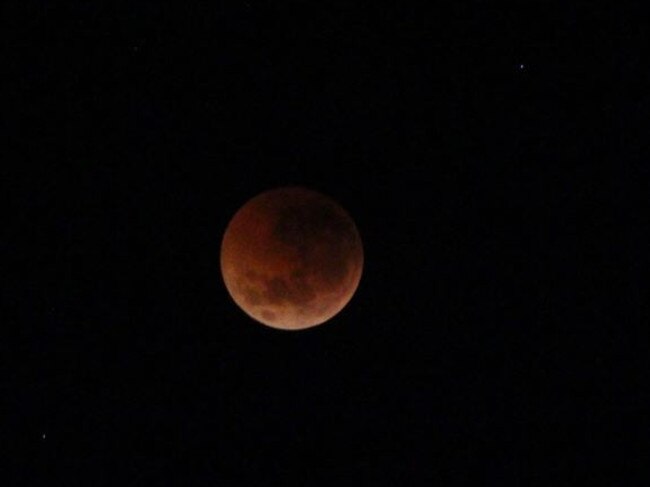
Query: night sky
point(491, 159)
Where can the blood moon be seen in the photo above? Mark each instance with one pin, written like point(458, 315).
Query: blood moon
point(291, 258)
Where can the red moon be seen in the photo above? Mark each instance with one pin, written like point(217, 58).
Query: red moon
point(291, 258)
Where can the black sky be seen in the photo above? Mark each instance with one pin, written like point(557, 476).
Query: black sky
point(491, 158)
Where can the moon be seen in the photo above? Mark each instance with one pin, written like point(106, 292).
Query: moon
point(291, 258)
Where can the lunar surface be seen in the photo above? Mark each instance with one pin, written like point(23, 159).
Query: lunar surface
point(291, 258)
